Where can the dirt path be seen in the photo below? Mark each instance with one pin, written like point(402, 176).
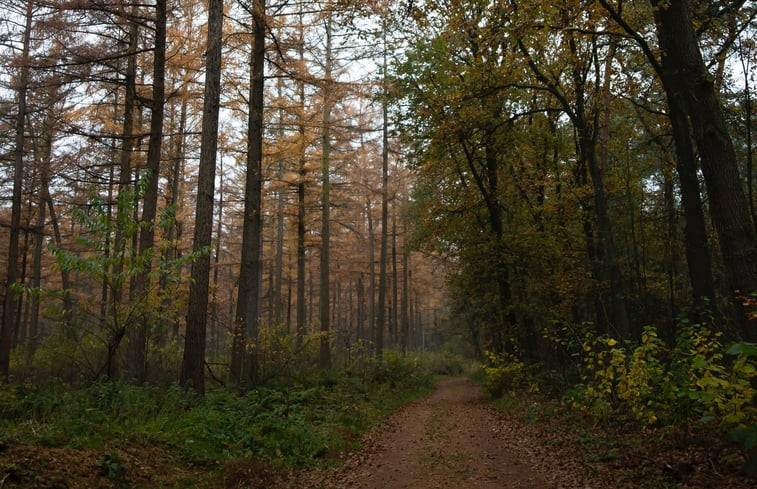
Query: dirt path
point(447, 440)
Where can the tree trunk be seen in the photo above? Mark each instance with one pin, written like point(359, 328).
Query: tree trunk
point(193, 361)
point(174, 230)
point(37, 273)
point(216, 259)
point(371, 276)
point(278, 279)
point(728, 204)
point(138, 337)
point(128, 142)
point(395, 281)
point(301, 313)
point(404, 314)
point(325, 353)
point(381, 319)
point(248, 301)
point(748, 129)
point(20, 302)
point(360, 334)
point(695, 230)
point(40, 235)
point(65, 279)
point(6, 328)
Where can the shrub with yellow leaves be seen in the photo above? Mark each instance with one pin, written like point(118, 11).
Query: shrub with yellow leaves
point(504, 372)
point(696, 381)
point(654, 383)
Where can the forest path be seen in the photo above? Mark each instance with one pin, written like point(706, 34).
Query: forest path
point(449, 439)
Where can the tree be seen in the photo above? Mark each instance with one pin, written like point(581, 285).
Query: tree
point(381, 320)
point(576, 104)
point(324, 311)
point(149, 210)
point(248, 303)
point(11, 276)
point(730, 209)
point(695, 232)
point(193, 360)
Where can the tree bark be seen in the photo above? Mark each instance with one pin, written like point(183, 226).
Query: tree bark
point(381, 319)
point(278, 280)
point(11, 276)
point(395, 282)
point(728, 204)
point(360, 319)
point(248, 302)
point(214, 333)
point(138, 337)
point(37, 273)
point(404, 314)
point(193, 361)
point(325, 343)
point(301, 312)
point(695, 230)
point(371, 275)
point(174, 230)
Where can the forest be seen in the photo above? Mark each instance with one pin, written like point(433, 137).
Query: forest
point(243, 233)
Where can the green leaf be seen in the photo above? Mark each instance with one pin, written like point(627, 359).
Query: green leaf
point(743, 348)
point(745, 437)
point(699, 362)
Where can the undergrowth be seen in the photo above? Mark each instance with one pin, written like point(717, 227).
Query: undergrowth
point(296, 423)
point(695, 393)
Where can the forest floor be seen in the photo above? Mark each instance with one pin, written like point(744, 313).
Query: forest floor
point(448, 439)
point(452, 438)
point(455, 438)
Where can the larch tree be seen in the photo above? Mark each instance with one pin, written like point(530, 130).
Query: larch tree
point(302, 175)
point(138, 341)
point(248, 302)
point(193, 360)
point(327, 93)
point(11, 275)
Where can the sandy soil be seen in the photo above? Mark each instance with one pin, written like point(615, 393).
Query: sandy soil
point(449, 439)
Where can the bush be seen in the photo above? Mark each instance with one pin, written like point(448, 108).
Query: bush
point(696, 381)
point(505, 373)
